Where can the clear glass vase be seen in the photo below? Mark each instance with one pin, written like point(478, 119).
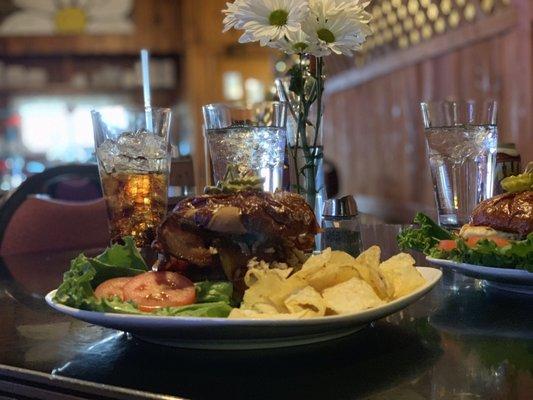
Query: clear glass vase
point(306, 173)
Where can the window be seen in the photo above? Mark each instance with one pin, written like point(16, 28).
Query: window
point(58, 127)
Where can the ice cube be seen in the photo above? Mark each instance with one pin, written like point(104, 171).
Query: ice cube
point(154, 146)
point(107, 153)
point(142, 144)
point(133, 151)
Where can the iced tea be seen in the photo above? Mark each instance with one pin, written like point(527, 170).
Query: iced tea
point(136, 204)
point(132, 151)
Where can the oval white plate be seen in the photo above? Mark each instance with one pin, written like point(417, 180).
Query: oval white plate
point(503, 275)
point(223, 333)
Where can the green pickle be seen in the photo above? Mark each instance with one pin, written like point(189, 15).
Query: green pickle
point(519, 183)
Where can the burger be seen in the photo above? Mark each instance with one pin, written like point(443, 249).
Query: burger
point(215, 235)
point(509, 215)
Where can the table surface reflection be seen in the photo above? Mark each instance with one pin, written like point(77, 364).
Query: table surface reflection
point(461, 341)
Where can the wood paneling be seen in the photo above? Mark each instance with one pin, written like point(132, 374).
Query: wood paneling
point(373, 128)
point(208, 54)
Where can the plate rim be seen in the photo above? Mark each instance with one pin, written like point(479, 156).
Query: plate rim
point(515, 272)
point(368, 314)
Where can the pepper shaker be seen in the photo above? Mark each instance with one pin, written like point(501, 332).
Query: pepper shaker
point(340, 225)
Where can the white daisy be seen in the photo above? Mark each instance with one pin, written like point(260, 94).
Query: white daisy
point(233, 17)
point(47, 17)
point(295, 43)
point(355, 10)
point(268, 20)
point(338, 27)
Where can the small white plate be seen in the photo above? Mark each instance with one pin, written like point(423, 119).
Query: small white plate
point(229, 334)
point(506, 278)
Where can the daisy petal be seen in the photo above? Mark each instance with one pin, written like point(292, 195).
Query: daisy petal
point(26, 23)
point(43, 6)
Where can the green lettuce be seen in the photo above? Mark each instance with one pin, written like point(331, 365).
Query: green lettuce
point(219, 309)
point(126, 255)
point(423, 238)
point(517, 254)
point(211, 292)
point(86, 273)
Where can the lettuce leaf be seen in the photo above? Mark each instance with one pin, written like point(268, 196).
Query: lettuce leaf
point(211, 292)
point(85, 274)
point(425, 237)
point(518, 254)
point(220, 309)
point(76, 289)
point(126, 255)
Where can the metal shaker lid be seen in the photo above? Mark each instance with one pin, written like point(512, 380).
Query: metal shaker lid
point(339, 208)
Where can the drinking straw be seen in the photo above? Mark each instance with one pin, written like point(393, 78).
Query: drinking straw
point(145, 69)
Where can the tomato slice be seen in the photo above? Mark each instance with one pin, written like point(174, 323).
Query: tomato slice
point(500, 242)
point(153, 290)
point(111, 287)
point(447, 245)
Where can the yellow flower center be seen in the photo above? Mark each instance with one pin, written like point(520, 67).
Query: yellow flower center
point(278, 17)
point(326, 35)
point(70, 20)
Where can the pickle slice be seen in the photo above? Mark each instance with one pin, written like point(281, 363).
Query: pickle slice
point(519, 183)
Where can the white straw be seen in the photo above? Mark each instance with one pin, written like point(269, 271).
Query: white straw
point(145, 69)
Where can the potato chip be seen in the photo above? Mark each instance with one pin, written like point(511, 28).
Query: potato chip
point(265, 308)
point(370, 257)
point(373, 278)
point(351, 296)
point(267, 282)
point(314, 263)
point(340, 258)
point(330, 275)
point(253, 275)
point(306, 300)
point(400, 273)
point(290, 285)
point(332, 282)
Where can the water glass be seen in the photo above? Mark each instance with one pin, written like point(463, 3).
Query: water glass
point(253, 136)
point(133, 154)
point(461, 141)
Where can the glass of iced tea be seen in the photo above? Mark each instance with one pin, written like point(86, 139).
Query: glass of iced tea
point(133, 154)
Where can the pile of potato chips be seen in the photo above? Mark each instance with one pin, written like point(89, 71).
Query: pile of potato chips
point(330, 283)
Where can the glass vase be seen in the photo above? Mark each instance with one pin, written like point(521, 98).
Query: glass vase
point(306, 173)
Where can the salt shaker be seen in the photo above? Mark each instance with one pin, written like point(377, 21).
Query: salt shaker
point(341, 227)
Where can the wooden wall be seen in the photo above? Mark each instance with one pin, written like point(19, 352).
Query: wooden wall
point(373, 129)
point(208, 54)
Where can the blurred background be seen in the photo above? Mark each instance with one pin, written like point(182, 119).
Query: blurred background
point(60, 58)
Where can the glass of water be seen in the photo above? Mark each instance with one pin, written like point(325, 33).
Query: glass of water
point(461, 141)
point(253, 136)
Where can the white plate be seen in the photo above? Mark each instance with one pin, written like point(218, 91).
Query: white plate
point(509, 277)
point(223, 333)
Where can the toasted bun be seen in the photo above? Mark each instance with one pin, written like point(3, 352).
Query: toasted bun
point(508, 212)
point(272, 214)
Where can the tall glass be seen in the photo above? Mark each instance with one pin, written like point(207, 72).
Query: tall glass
point(253, 136)
point(461, 140)
point(133, 153)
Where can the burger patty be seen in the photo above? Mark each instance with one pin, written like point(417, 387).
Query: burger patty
point(508, 212)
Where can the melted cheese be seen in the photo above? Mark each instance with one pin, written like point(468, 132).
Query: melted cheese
point(227, 220)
